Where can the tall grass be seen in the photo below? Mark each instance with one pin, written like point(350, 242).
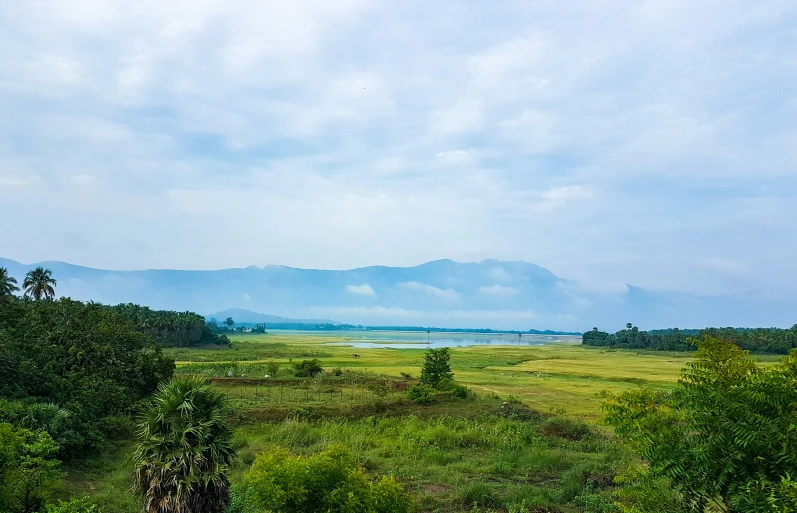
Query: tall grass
point(451, 463)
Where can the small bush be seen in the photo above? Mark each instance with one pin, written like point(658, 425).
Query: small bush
point(73, 505)
point(459, 391)
point(117, 427)
point(328, 481)
point(307, 369)
point(421, 394)
point(379, 389)
point(568, 429)
point(519, 411)
point(273, 368)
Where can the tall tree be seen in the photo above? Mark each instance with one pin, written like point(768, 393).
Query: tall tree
point(436, 368)
point(8, 285)
point(184, 450)
point(229, 322)
point(39, 284)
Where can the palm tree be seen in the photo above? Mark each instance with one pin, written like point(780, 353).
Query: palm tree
point(39, 283)
point(8, 285)
point(184, 450)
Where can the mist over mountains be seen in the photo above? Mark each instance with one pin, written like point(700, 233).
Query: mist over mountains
point(487, 294)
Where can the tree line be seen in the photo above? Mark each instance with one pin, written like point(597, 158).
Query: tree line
point(168, 328)
point(755, 340)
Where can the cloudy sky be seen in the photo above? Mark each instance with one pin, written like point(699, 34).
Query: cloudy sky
point(649, 142)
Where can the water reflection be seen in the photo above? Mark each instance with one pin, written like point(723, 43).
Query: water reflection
point(418, 340)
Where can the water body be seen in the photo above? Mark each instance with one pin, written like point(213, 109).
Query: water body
point(418, 339)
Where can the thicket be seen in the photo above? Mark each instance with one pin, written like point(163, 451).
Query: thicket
point(27, 464)
point(330, 480)
point(755, 340)
point(725, 438)
point(74, 370)
point(169, 328)
point(307, 368)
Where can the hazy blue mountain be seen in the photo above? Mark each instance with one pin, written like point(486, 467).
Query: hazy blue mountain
point(486, 294)
point(240, 315)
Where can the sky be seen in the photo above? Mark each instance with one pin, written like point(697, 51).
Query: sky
point(651, 143)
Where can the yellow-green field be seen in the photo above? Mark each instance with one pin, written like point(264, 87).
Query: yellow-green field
point(565, 376)
point(484, 452)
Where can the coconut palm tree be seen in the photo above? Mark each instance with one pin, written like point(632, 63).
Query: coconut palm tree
point(184, 450)
point(8, 285)
point(39, 284)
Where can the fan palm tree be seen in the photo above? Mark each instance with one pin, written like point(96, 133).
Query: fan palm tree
point(39, 284)
point(8, 285)
point(184, 450)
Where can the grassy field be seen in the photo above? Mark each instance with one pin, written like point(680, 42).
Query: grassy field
point(563, 376)
point(520, 444)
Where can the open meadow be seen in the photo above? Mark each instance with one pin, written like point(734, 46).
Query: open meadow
point(527, 437)
point(562, 376)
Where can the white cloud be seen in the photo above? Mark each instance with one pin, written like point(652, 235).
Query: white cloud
point(723, 265)
point(498, 291)
point(362, 290)
point(453, 318)
point(560, 197)
point(498, 274)
point(447, 294)
point(565, 135)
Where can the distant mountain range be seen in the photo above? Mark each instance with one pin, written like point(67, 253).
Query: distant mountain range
point(487, 294)
point(241, 316)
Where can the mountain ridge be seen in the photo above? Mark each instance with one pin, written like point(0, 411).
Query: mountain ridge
point(444, 293)
point(242, 315)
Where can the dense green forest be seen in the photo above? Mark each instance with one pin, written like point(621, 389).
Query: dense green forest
point(755, 340)
point(171, 329)
point(74, 369)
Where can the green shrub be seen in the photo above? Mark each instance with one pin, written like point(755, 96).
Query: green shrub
point(436, 367)
point(454, 388)
point(117, 427)
point(273, 368)
point(421, 393)
point(74, 505)
point(27, 466)
point(380, 389)
point(568, 429)
point(307, 368)
point(459, 391)
point(331, 480)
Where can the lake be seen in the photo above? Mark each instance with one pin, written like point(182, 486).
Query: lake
point(418, 339)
